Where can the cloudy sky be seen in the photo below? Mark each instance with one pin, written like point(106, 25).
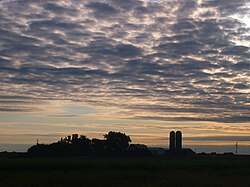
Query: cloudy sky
point(143, 67)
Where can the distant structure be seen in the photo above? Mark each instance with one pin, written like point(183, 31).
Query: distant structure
point(236, 148)
point(172, 141)
point(175, 142)
point(178, 141)
point(157, 151)
point(175, 145)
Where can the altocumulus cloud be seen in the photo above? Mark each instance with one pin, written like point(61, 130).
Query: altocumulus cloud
point(161, 60)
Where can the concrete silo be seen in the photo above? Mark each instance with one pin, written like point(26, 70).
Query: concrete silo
point(178, 141)
point(172, 141)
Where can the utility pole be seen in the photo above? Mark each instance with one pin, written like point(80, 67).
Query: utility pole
point(236, 148)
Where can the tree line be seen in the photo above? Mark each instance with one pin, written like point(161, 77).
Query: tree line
point(113, 144)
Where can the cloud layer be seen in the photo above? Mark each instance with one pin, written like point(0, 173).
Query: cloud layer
point(161, 60)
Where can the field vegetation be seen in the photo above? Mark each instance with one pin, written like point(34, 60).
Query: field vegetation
point(221, 171)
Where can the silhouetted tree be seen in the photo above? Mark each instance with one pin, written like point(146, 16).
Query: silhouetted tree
point(81, 145)
point(117, 143)
point(99, 147)
point(114, 143)
point(38, 150)
point(68, 146)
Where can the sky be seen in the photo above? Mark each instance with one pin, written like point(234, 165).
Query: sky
point(142, 67)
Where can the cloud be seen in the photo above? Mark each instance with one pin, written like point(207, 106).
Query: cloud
point(215, 118)
point(101, 10)
point(166, 61)
point(219, 138)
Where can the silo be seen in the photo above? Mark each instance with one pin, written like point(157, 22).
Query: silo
point(178, 140)
point(172, 140)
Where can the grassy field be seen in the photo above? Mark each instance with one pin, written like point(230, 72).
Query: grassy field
point(130, 172)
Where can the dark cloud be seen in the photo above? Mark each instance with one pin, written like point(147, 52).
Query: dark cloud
point(215, 118)
point(102, 10)
point(219, 138)
point(187, 60)
point(127, 50)
point(226, 7)
point(21, 109)
point(241, 66)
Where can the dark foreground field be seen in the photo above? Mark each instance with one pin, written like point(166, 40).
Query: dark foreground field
point(129, 172)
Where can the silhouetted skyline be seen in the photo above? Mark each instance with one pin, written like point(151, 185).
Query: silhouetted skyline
point(138, 66)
